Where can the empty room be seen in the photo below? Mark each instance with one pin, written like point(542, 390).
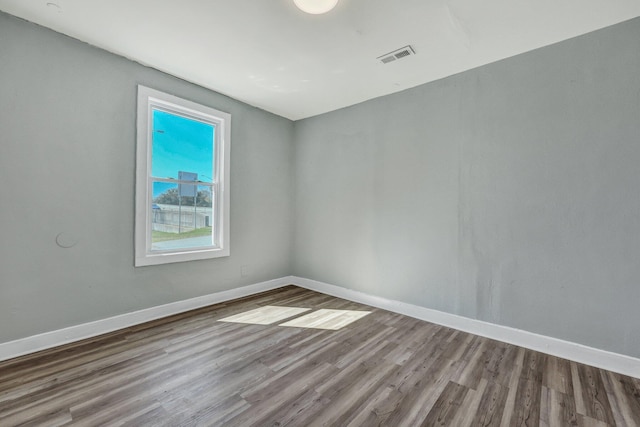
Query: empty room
point(320, 213)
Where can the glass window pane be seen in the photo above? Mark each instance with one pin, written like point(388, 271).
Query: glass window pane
point(181, 144)
point(181, 222)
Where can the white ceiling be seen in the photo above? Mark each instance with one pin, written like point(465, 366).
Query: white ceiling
point(269, 54)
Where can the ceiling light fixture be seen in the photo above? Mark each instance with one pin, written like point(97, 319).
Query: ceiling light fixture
point(315, 7)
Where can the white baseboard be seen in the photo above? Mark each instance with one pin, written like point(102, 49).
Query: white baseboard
point(20, 347)
point(568, 350)
point(615, 362)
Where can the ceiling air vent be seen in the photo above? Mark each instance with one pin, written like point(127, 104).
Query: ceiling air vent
point(403, 52)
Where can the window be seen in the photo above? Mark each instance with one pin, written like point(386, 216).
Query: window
point(182, 180)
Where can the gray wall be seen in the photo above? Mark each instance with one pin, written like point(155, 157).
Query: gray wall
point(509, 193)
point(67, 161)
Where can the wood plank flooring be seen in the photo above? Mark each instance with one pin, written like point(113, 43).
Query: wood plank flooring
point(384, 369)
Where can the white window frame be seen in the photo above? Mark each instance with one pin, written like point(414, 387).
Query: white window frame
point(148, 100)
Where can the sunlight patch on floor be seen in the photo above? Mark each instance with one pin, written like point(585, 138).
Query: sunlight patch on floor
point(265, 315)
point(326, 319)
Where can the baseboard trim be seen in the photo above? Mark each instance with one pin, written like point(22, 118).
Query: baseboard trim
point(32, 344)
point(615, 362)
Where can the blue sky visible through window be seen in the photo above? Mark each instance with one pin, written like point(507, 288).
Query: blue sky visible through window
point(180, 144)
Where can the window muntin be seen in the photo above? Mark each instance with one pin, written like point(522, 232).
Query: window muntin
point(182, 201)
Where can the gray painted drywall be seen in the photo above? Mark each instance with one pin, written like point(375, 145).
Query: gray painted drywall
point(509, 193)
point(67, 161)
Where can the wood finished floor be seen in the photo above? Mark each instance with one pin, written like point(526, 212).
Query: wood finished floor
point(384, 369)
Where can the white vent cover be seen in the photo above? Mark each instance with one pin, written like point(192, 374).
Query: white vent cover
point(403, 52)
